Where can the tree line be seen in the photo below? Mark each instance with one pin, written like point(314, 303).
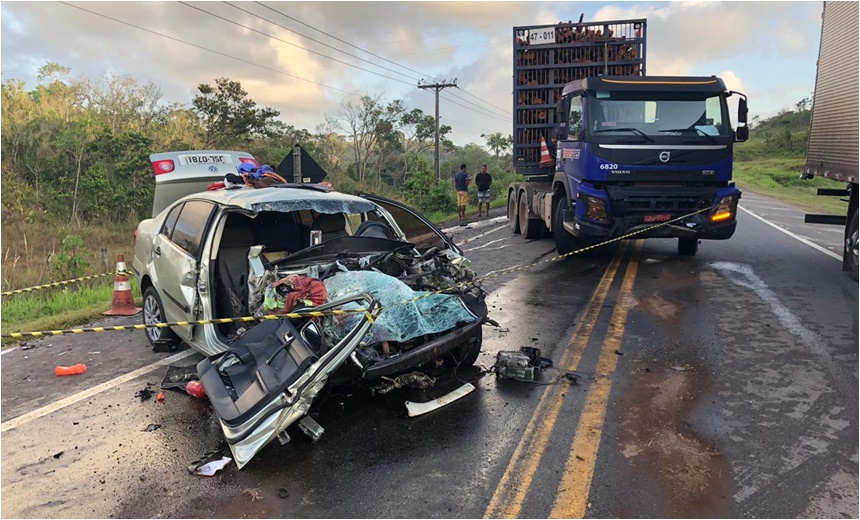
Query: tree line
point(78, 149)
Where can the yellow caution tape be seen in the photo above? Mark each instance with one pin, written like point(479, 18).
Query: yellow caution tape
point(64, 282)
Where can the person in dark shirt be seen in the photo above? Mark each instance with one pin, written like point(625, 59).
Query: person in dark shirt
point(461, 186)
point(483, 181)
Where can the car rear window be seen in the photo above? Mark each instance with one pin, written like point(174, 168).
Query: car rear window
point(190, 226)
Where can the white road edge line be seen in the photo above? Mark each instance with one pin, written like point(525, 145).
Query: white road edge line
point(80, 396)
point(8, 351)
point(476, 237)
point(792, 235)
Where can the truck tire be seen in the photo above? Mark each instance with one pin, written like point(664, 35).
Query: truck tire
point(688, 246)
point(564, 242)
point(851, 247)
point(513, 218)
point(529, 228)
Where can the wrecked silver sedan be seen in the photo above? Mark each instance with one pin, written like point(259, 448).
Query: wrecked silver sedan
point(389, 293)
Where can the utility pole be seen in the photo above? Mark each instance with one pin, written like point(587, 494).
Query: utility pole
point(438, 88)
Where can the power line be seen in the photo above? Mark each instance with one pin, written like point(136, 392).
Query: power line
point(338, 39)
point(506, 113)
point(476, 110)
point(209, 50)
point(295, 45)
point(437, 88)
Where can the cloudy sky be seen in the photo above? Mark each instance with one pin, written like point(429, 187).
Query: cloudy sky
point(766, 49)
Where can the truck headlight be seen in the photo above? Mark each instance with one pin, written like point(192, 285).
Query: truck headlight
point(596, 209)
point(726, 209)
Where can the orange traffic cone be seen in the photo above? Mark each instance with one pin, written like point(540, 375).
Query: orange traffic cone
point(123, 300)
point(545, 158)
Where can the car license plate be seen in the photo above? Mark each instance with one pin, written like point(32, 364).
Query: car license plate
point(656, 218)
point(190, 159)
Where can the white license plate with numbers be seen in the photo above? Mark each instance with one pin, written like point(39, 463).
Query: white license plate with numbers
point(190, 159)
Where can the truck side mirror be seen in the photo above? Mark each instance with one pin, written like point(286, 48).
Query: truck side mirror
point(742, 110)
point(742, 133)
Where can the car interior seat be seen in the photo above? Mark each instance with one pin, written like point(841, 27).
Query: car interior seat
point(236, 242)
point(332, 225)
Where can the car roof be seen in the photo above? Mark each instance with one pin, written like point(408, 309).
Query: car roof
point(286, 197)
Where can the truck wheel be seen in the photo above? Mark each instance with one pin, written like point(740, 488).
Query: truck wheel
point(564, 242)
point(153, 312)
point(851, 246)
point(513, 219)
point(529, 228)
point(688, 246)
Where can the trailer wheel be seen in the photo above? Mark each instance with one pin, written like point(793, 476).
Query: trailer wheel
point(513, 219)
point(564, 242)
point(688, 246)
point(851, 247)
point(529, 228)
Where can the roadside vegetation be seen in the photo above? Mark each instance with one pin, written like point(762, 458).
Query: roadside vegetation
point(77, 178)
point(771, 162)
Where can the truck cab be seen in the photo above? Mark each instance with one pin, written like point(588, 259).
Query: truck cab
point(631, 152)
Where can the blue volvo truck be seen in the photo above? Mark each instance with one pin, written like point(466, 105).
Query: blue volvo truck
point(608, 150)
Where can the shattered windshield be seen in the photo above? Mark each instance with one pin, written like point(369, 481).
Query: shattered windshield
point(398, 321)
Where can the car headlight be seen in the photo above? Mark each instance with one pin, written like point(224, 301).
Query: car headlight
point(726, 209)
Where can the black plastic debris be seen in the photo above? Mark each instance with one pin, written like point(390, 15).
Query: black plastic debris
point(58, 454)
point(144, 393)
point(177, 377)
point(151, 427)
point(283, 493)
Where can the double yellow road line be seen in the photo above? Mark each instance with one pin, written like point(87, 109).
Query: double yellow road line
point(572, 496)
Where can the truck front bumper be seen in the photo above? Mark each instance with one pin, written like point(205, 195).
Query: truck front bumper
point(697, 226)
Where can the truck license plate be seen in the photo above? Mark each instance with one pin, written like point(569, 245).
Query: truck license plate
point(656, 218)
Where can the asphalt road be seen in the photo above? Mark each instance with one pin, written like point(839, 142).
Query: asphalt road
point(724, 385)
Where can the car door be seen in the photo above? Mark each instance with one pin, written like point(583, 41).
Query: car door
point(176, 257)
point(418, 230)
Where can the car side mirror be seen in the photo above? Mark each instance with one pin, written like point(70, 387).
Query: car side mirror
point(742, 133)
point(742, 110)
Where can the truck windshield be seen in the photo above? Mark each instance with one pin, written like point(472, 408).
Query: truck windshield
point(691, 116)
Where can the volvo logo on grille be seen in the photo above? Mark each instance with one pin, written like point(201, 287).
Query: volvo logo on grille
point(665, 156)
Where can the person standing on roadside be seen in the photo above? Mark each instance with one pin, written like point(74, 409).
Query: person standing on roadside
point(461, 186)
point(483, 181)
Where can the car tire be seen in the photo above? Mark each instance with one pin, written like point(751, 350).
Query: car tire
point(513, 219)
point(688, 246)
point(851, 247)
point(564, 242)
point(529, 228)
point(153, 312)
point(466, 355)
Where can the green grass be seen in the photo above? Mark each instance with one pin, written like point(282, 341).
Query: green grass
point(53, 309)
point(779, 177)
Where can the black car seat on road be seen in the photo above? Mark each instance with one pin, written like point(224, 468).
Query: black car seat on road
point(332, 225)
point(236, 242)
point(267, 364)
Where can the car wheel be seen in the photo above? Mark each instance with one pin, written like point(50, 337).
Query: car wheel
point(466, 355)
point(564, 242)
point(513, 220)
point(688, 246)
point(851, 246)
point(529, 228)
point(153, 312)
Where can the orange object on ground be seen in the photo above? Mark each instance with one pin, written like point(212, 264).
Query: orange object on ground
point(123, 300)
point(73, 370)
point(160, 396)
